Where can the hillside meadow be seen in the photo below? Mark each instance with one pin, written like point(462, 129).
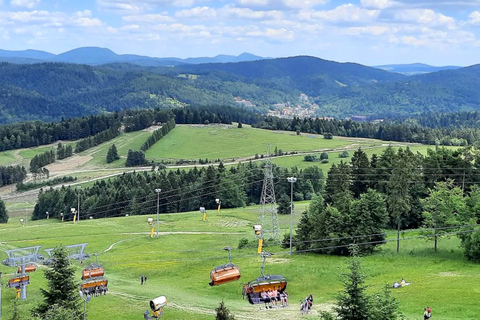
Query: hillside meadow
point(178, 263)
point(190, 142)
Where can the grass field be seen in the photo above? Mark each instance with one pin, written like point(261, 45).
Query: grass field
point(226, 142)
point(178, 262)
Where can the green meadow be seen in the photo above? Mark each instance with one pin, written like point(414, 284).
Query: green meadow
point(227, 142)
point(178, 262)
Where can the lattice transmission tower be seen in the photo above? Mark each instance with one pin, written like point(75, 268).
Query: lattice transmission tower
point(267, 216)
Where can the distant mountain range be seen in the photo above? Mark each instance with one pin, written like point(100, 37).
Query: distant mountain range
point(99, 56)
point(414, 68)
point(317, 87)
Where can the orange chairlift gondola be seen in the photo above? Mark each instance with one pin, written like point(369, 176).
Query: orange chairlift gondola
point(18, 281)
point(225, 273)
point(31, 267)
point(254, 288)
point(93, 280)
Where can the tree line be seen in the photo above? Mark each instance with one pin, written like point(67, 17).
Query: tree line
point(12, 174)
point(396, 190)
point(158, 134)
point(182, 190)
point(36, 133)
point(407, 130)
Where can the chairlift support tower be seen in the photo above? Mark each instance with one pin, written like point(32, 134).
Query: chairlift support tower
point(267, 216)
point(20, 257)
point(75, 251)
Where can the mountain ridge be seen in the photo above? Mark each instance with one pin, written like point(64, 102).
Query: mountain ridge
point(99, 56)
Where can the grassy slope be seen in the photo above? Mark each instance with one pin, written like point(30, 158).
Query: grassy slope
point(178, 266)
point(226, 142)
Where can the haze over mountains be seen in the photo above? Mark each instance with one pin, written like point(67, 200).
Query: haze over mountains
point(99, 56)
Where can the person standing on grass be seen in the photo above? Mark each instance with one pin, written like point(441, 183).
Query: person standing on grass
point(141, 279)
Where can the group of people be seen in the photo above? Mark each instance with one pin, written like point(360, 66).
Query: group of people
point(143, 279)
point(307, 303)
point(427, 313)
point(271, 298)
point(96, 291)
point(401, 284)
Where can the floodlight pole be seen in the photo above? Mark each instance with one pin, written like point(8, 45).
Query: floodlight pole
point(26, 212)
point(158, 208)
point(78, 202)
point(292, 180)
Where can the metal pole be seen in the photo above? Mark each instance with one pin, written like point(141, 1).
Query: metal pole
point(292, 180)
point(0, 295)
point(158, 208)
point(78, 203)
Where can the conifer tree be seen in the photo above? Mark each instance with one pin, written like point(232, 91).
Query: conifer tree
point(353, 303)
point(222, 313)
point(62, 290)
point(3, 212)
point(112, 154)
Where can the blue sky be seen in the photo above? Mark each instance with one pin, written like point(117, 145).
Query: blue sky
point(370, 32)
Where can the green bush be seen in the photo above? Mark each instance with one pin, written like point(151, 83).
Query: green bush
point(343, 154)
point(243, 243)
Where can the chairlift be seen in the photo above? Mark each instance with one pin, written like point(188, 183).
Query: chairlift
point(31, 267)
point(225, 273)
point(94, 285)
point(18, 281)
point(254, 288)
point(93, 271)
point(93, 280)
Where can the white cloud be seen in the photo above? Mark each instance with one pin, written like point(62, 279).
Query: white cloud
point(294, 4)
point(247, 13)
point(148, 18)
point(141, 6)
point(370, 30)
point(24, 3)
point(343, 13)
point(86, 22)
point(424, 17)
point(272, 34)
point(199, 12)
point(376, 4)
point(474, 18)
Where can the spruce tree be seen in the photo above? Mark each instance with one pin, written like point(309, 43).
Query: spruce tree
point(283, 204)
point(354, 303)
point(62, 290)
point(112, 154)
point(3, 212)
point(222, 313)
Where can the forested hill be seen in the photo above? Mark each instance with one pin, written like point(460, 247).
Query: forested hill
point(310, 75)
point(52, 91)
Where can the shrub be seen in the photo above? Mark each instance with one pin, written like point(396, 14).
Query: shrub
point(343, 154)
point(243, 243)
